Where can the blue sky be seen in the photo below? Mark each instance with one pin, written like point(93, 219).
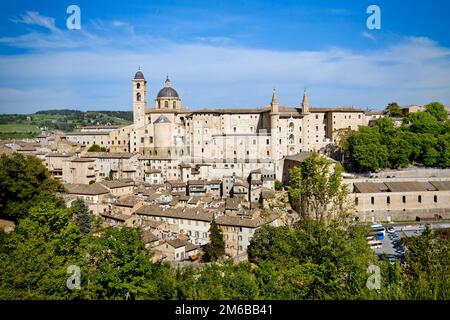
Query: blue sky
point(223, 53)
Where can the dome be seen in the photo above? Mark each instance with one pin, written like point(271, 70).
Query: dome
point(139, 75)
point(167, 91)
point(162, 119)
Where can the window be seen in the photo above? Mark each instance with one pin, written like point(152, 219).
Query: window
point(142, 140)
point(372, 200)
point(234, 129)
point(138, 96)
point(404, 199)
point(356, 200)
point(174, 104)
point(435, 198)
point(291, 127)
point(388, 200)
point(166, 104)
point(267, 141)
point(291, 139)
point(138, 85)
point(419, 199)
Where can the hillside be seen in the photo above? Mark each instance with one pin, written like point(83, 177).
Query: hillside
point(16, 126)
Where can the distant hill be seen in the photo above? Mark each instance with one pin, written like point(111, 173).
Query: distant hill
point(29, 125)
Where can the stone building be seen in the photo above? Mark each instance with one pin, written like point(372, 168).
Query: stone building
point(202, 144)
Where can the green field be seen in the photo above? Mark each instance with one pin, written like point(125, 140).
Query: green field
point(18, 128)
point(18, 131)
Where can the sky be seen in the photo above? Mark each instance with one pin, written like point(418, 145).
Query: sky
point(223, 53)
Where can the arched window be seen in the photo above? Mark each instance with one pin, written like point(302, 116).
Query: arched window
point(138, 85)
point(166, 104)
point(291, 139)
point(159, 104)
point(174, 104)
point(138, 96)
point(291, 127)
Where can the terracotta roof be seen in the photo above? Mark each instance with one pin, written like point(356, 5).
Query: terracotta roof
point(176, 243)
point(118, 183)
point(245, 221)
point(409, 186)
point(369, 187)
point(59, 155)
point(86, 189)
point(82, 160)
point(128, 201)
point(177, 213)
point(403, 186)
point(87, 133)
point(176, 183)
point(148, 236)
point(441, 185)
point(232, 203)
point(150, 171)
point(153, 223)
point(108, 155)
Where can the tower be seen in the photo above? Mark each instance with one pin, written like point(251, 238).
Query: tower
point(274, 102)
point(139, 99)
point(305, 103)
point(274, 134)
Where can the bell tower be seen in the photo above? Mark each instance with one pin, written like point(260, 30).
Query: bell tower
point(139, 99)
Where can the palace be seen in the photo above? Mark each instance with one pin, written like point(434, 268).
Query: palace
point(177, 143)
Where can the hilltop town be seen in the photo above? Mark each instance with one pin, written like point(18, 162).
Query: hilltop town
point(175, 170)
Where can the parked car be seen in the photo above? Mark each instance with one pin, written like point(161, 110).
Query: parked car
point(391, 259)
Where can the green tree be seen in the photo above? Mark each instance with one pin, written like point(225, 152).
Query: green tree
point(215, 248)
point(423, 122)
point(437, 110)
point(83, 217)
point(96, 148)
point(24, 181)
point(366, 150)
point(394, 110)
point(278, 185)
point(316, 189)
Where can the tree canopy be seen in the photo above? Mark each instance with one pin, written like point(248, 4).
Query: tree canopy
point(422, 139)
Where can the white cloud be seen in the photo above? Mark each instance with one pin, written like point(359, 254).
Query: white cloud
point(368, 35)
point(94, 69)
point(34, 18)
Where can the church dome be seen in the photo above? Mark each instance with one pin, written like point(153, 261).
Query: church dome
point(167, 91)
point(139, 75)
point(162, 119)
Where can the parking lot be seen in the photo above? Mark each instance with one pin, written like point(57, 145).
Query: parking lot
point(391, 243)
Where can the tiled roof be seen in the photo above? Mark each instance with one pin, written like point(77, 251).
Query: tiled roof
point(185, 213)
point(118, 183)
point(128, 201)
point(59, 155)
point(108, 155)
point(86, 189)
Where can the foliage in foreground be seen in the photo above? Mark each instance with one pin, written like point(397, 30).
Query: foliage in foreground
point(311, 260)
